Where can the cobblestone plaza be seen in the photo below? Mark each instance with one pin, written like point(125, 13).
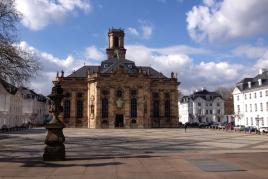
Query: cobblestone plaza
point(137, 153)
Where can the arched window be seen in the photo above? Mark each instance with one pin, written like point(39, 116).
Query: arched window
point(116, 42)
point(79, 108)
point(104, 108)
point(156, 104)
point(167, 105)
point(167, 108)
point(155, 108)
point(133, 107)
point(66, 108)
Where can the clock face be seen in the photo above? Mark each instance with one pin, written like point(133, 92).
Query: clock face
point(119, 103)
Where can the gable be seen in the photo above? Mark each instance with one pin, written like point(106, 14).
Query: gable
point(236, 91)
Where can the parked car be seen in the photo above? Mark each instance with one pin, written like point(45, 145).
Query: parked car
point(239, 128)
point(229, 126)
point(221, 126)
point(263, 129)
point(251, 129)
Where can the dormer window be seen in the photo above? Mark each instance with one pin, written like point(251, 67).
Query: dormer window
point(260, 82)
point(249, 84)
point(105, 65)
point(129, 66)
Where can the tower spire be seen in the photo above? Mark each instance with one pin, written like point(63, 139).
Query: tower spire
point(116, 48)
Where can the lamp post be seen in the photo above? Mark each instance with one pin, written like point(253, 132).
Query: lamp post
point(55, 149)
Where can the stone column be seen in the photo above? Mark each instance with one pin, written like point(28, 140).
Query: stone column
point(73, 109)
point(149, 107)
point(127, 99)
point(174, 107)
point(98, 103)
point(161, 108)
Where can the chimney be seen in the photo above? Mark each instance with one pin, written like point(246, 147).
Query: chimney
point(260, 82)
point(262, 70)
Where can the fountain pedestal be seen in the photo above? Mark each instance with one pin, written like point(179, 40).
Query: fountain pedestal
point(55, 149)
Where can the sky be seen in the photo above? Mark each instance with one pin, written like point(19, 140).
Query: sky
point(209, 43)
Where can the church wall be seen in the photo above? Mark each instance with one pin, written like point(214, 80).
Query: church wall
point(73, 87)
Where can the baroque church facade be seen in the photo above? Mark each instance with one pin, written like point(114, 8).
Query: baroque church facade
point(119, 94)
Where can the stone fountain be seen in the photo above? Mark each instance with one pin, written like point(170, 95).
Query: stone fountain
point(55, 149)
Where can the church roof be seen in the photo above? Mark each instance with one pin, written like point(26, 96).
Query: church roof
point(108, 66)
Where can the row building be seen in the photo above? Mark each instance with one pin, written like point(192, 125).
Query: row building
point(21, 106)
point(202, 106)
point(251, 101)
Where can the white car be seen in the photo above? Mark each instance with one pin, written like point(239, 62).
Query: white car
point(263, 129)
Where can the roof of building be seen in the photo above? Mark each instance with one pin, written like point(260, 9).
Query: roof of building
point(9, 88)
point(243, 84)
point(204, 94)
point(109, 66)
point(27, 93)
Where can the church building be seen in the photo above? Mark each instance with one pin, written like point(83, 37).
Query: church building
point(119, 94)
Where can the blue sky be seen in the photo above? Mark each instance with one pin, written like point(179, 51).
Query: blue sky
point(208, 43)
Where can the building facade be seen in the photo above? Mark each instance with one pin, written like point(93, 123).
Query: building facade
point(251, 100)
point(15, 108)
point(117, 93)
point(201, 107)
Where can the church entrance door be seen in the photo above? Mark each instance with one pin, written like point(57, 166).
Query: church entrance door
point(119, 120)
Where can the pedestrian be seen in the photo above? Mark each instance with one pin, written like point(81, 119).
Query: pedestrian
point(185, 126)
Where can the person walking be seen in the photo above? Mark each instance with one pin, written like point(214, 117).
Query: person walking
point(185, 127)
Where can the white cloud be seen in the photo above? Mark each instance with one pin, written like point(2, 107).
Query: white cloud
point(50, 65)
point(145, 30)
point(133, 31)
point(39, 13)
point(224, 20)
point(250, 51)
point(192, 74)
point(93, 53)
point(262, 62)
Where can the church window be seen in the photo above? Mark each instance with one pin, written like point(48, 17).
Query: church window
point(167, 105)
point(79, 108)
point(133, 106)
point(156, 108)
point(66, 111)
point(156, 104)
point(167, 108)
point(104, 109)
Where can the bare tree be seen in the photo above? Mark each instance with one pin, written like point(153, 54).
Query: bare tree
point(225, 92)
point(16, 64)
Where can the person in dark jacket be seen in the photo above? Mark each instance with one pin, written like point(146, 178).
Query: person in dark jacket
point(185, 126)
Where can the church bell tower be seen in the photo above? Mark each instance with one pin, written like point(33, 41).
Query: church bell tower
point(116, 48)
